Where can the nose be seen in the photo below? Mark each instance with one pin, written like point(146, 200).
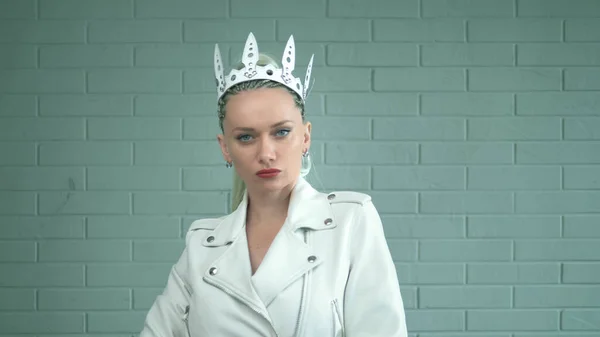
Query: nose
point(266, 150)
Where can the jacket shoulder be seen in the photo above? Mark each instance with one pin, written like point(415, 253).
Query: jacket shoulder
point(348, 197)
point(208, 224)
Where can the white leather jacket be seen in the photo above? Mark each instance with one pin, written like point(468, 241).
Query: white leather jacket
point(327, 273)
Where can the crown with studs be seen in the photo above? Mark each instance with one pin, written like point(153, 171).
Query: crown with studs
point(252, 71)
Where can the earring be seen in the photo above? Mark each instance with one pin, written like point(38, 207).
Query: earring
point(228, 164)
point(305, 153)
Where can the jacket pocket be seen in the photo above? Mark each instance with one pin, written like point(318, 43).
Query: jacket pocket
point(338, 322)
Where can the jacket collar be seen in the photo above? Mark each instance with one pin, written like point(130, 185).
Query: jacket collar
point(308, 209)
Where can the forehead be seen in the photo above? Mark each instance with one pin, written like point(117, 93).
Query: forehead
point(261, 106)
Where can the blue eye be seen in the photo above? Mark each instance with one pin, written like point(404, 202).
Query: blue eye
point(244, 138)
point(283, 132)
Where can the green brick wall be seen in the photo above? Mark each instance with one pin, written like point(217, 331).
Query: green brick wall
point(474, 124)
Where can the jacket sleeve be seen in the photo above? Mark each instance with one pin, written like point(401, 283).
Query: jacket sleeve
point(167, 316)
point(373, 306)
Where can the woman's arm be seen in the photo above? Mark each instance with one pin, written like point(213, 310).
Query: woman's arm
point(373, 305)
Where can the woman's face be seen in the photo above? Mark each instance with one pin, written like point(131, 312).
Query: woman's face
point(263, 130)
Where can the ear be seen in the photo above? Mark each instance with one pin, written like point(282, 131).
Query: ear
point(307, 130)
point(223, 146)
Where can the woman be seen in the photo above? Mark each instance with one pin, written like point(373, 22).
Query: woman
point(288, 261)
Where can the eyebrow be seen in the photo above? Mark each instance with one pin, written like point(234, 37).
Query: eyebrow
point(272, 126)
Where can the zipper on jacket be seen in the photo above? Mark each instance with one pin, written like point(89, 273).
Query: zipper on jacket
point(186, 316)
point(250, 305)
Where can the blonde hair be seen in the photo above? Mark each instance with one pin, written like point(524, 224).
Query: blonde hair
point(239, 187)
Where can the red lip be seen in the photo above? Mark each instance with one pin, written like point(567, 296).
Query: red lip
point(268, 171)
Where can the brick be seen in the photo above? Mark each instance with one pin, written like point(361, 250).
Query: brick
point(465, 54)
point(179, 203)
point(17, 203)
point(18, 56)
point(17, 105)
point(230, 30)
point(409, 297)
point(42, 31)
point(23, 129)
point(557, 250)
point(83, 299)
point(372, 54)
point(511, 128)
point(134, 128)
point(556, 334)
point(133, 178)
point(41, 275)
point(177, 105)
point(513, 178)
point(134, 81)
point(581, 226)
point(47, 322)
point(394, 202)
point(85, 153)
point(115, 321)
point(370, 153)
point(467, 8)
point(278, 9)
point(341, 177)
point(469, 202)
point(466, 153)
point(27, 81)
point(175, 55)
point(403, 250)
point(318, 30)
point(157, 250)
point(558, 8)
point(42, 178)
point(86, 105)
point(17, 251)
point(388, 104)
point(201, 128)
point(206, 179)
point(489, 226)
point(144, 298)
point(581, 178)
point(340, 79)
point(128, 274)
point(201, 80)
point(580, 320)
point(436, 320)
point(511, 320)
point(151, 9)
point(418, 178)
point(556, 296)
point(419, 30)
point(514, 79)
point(17, 153)
point(582, 128)
point(340, 128)
point(430, 273)
point(419, 79)
point(582, 79)
point(571, 54)
point(41, 227)
point(423, 226)
point(171, 153)
point(558, 202)
point(85, 56)
point(85, 9)
point(132, 227)
point(582, 30)
point(17, 299)
point(142, 31)
point(464, 297)
point(514, 30)
point(465, 250)
point(83, 203)
point(558, 103)
point(418, 129)
point(558, 153)
point(361, 9)
point(466, 104)
point(17, 9)
point(577, 272)
point(513, 273)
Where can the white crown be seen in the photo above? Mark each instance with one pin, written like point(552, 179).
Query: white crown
point(251, 71)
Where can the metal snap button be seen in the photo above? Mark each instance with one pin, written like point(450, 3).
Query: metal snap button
point(328, 221)
point(312, 258)
point(331, 196)
point(213, 271)
point(210, 239)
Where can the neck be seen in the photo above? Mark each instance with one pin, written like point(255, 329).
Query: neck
point(268, 208)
